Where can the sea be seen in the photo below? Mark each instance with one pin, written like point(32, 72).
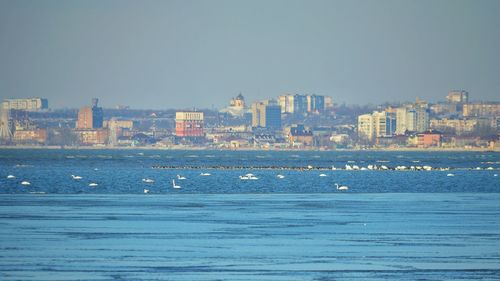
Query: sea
point(115, 215)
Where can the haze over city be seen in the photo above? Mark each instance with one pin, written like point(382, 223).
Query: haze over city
point(183, 54)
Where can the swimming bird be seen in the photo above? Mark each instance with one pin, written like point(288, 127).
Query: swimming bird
point(11, 177)
point(450, 175)
point(342, 187)
point(249, 177)
point(25, 183)
point(205, 174)
point(280, 176)
point(174, 185)
point(76, 177)
point(322, 175)
point(179, 177)
point(148, 180)
point(146, 190)
point(92, 184)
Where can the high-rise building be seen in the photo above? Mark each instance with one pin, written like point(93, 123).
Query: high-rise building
point(5, 124)
point(375, 125)
point(189, 124)
point(422, 118)
point(90, 117)
point(273, 116)
point(365, 127)
point(286, 102)
point(458, 96)
point(300, 104)
point(412, 118)
point(328, 102)
point(266, 114)
point(315, 103)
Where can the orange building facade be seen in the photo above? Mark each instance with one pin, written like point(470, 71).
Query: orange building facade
point(189, 124)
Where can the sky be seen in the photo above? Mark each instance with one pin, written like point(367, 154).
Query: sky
point(185, 54)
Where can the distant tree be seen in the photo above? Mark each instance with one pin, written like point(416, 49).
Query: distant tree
point(483, 130)
point(62, 137)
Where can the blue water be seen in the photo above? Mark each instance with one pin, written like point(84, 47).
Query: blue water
point(122, 171)
point(397, 225)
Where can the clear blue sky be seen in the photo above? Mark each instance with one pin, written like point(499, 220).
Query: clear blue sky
point(179, 54)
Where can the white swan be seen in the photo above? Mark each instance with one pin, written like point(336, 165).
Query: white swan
point(92, 184)
point(450, 175)
point(179, 177)
point(249, 177)
point(146, 190)
point(148, 180)
point(174, 185)
point(76, 177)
point(11, 177)
point(343, 187)
point(25, 183)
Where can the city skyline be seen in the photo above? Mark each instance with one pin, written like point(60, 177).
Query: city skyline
point(175, 54)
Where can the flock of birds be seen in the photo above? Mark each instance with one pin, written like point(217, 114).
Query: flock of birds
point(250, 176)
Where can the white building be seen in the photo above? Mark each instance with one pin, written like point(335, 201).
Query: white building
point(413, 118)
point(29, 104)
point(375, 125)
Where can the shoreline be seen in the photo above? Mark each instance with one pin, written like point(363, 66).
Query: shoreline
point(400, 149)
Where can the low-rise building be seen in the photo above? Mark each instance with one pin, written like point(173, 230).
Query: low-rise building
point(38, 136)
point(429, 139)
point(300, 136)
point(459, 126)
point(481, 109)
point(93, 137)
point(28, 104)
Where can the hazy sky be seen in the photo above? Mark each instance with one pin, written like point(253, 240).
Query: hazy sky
point(179, 54)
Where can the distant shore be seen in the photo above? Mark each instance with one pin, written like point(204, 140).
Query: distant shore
point(402, 149)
